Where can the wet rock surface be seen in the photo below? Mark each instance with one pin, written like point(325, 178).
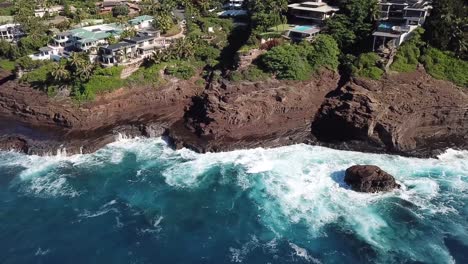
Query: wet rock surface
point(369, 179)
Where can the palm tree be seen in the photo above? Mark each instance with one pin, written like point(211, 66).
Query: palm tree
point(60, 72)
point(76, 60)
point(85, 71)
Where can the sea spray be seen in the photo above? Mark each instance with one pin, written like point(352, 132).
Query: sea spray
point(137, 200)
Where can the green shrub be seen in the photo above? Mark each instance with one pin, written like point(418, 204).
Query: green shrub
point(7, 65)
point(372, 73)
point(181, 71)
point(254, 74)
point(299, 61)
point(235, 76)
point(286, 62)
point(367, 66)
point(200, 82)
point(102, 80)
point(444, 66)
point(407, 57)
point(39, 77)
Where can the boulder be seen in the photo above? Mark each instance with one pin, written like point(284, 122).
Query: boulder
point(370, 179)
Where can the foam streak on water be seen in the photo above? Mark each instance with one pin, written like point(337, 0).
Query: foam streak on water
point(137, 201)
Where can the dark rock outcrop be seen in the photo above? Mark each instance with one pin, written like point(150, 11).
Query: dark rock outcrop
point(370, 179)
point(411, 114)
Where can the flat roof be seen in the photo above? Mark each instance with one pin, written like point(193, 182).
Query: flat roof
point(45, 49)
point(140, 19)
point(385, 34)
point(119, 45)
point(139, 39)
point(325, 8)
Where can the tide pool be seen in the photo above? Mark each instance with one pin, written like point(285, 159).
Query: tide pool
point(138, 201)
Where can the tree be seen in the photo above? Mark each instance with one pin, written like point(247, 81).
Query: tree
point(354, 24)
point(286, 62)
point(266, 13)
point(75, 61)
point(85, 71)
point(60, 73)
point(324, 51)
point(447, 27)
point(120, 10)
point(163, 21)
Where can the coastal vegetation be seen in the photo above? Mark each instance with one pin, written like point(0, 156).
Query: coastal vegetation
point(367, 65)
point(211, 44)
point(299, 61)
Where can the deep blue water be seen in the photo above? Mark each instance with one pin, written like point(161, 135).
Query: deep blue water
point(137, 201)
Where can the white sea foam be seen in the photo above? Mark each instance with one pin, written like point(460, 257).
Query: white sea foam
point(291, 185)
point(302, 253)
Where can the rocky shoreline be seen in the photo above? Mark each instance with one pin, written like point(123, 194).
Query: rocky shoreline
point(408, 114)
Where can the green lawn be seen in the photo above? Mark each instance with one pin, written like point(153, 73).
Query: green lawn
point(280, 28)
point(7, 65)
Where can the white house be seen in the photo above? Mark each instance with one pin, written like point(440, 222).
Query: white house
point(234, 4)
point(46, 53)
point(315, 10)
point(11, 32)
point(50, 11)
point(141, 22)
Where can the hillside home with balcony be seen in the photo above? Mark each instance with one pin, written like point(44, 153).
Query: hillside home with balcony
point(11, 32)
point(315, 11)
point(398, 19)
point(131, 50)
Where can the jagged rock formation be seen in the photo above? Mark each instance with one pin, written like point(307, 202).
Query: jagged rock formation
point(230, 116)
point(49, 124)
point(404, 113)
point(370, 179)
point(410, 114)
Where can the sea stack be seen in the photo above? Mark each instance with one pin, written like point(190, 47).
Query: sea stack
point(370, 179)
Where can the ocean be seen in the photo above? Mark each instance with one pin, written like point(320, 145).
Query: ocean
point(138, 201)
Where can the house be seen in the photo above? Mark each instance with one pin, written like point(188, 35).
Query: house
point(106, 6)
point(46, 53)
point(49, 11)
point(83, 39)
point(315, 10)
point(398, 19)
point(300, 33)
point(11, 32)
point(141, 22)
point(131, 50)
point(234, 4)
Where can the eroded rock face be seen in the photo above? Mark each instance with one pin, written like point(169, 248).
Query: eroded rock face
point(46, 124)
point(370, 179)
point(230, 116)
point(411, 114)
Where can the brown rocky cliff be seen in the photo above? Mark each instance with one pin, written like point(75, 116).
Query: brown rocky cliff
point(47, 124)
point(409, 113)
point(272, 113)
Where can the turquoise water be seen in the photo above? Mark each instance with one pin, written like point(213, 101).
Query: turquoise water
point(137, 201)
point(304, 28)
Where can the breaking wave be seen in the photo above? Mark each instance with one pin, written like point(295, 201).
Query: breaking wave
point(143, 202)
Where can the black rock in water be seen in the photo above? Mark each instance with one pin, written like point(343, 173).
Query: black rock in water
point(370, 179)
